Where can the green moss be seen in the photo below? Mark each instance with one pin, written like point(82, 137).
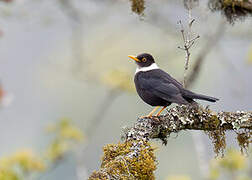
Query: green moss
point(128, 160)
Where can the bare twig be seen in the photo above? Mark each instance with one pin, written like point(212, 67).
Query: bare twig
point(197, 138)
point(188, 43)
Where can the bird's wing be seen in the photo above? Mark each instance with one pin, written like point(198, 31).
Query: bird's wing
point(162, 85)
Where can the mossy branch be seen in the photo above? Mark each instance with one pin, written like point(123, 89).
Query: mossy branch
point(245, 4)
point(232, 9)
point(134, 159)
point(188, 118)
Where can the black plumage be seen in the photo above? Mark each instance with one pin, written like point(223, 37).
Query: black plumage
point(158, 88)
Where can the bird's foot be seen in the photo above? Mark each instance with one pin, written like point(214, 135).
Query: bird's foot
point(158, 114)
point(146, 117)
point(150, 115)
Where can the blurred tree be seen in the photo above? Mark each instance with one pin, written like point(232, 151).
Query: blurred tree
point(25, 164)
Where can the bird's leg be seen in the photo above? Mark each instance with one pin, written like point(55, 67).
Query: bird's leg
point(150, 114)
point(161, 111)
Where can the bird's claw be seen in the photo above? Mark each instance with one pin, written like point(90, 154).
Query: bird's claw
point(147, 117)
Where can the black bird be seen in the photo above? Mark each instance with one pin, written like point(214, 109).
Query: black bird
point(158, 88)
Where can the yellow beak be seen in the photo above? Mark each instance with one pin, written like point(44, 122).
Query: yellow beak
point(134, 58)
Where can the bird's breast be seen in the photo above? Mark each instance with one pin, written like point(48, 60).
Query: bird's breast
point(146, 94)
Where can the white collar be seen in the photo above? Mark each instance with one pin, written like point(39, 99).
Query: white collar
point(144, 69)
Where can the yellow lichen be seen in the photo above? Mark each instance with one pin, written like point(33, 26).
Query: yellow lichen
point(128, 160)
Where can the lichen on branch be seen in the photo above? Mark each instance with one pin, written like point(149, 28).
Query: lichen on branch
point(232, 9)
point(129, 160)
point(134, 158)
point(188, 118)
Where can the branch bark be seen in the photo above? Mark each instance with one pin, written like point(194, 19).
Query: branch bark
point(134, 158)
point(188, 118)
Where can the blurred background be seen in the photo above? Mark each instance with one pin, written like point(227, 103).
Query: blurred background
point(67, 82)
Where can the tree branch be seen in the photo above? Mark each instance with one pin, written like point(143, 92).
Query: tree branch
point(232, 9)
point(134, 157)
point(188, 118)
point(247, 4)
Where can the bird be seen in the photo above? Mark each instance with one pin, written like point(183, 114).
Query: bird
point(157, 88)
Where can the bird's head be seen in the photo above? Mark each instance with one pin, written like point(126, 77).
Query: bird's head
point(143, 60)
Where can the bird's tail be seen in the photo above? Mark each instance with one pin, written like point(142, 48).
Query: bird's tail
point(200, 96)
point(203, 97)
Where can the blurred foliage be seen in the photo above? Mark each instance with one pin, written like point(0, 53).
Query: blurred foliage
point(178, 177)
point(7, 1)
point(189, 4)
point(23, 163)
point(233, 165)
point(250, 55)
point(119, 79)
point(65, 130)
point(19, 164)
point(66, 135)
point(56, 150)
point(1, 93)
point(138, 6)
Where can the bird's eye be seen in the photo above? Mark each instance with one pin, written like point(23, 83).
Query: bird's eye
point(144, 60)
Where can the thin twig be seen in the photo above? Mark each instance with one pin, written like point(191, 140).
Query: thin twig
point(188, 43)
